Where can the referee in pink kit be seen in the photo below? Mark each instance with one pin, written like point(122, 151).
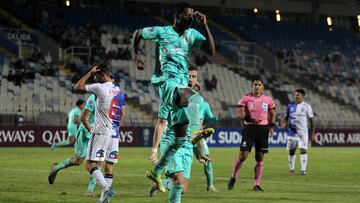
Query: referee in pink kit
point(255, 109)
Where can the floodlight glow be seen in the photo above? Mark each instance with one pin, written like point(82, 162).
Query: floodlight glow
point(278, 17)
point(329, 21)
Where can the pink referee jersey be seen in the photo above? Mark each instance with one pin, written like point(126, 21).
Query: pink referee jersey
point(257, 107)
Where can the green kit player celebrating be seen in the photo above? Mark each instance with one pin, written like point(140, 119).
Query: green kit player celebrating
point(178, 169)
point(174, 46)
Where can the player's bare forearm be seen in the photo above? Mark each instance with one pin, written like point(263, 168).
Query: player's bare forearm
point(85, 119)
point(80, 85)
point(312, 126)
point(211, 50)
point(200, 146)
point(242, 113)
point(159, 131)
point(210, 43)
point(135, 43)
point(272, 115)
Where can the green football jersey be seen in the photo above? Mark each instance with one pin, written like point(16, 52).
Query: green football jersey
point(173, 51)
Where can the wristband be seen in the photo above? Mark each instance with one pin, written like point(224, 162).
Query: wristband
point(154, 150)
point(247, 118)
point(272, 125)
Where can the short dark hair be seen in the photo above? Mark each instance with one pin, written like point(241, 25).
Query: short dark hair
point(79, 102)
point(257, 78)
point(193, 67)
point(181, 6)
point(104, 68)
point(301, 91)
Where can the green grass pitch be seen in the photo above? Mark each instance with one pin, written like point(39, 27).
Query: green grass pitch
point(333, 176)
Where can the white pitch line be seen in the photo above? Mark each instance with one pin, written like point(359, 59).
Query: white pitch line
point(217, 178)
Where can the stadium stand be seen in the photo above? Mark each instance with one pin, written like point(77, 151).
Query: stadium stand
point(309, 52)
point(329, 60)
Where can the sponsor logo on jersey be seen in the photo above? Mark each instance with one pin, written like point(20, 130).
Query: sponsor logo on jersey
point(114, 155)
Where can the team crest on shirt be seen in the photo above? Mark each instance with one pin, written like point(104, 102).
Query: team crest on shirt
point(264, 106)
point(151, 29)
point(100, 153)
point(114, 155)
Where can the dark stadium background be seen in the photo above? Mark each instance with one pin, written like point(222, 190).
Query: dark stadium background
point(45, 46)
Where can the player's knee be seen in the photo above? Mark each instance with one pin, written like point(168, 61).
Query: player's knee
point(178, 179)
point(90, 166)
point(182, 95)
point(303, 151)
point(292, 152)
point(259, 156)
point(109, 167)
point(243, 156)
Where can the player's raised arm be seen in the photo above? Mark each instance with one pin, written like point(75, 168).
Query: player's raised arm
point(135, 43)
point(80, 85)
point(209, 46)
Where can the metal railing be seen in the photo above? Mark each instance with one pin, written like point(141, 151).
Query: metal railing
point(243, 54)
point(76, 51)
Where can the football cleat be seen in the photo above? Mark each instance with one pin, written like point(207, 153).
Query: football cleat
point(212, 188)
point(257, 188)
point(110, 192)
point(231, 183)
point(199, 134)
point(156, 179)
point(52, 174)
point(153, 189)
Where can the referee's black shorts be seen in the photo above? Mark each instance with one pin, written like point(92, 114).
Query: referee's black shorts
point(258, 134)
